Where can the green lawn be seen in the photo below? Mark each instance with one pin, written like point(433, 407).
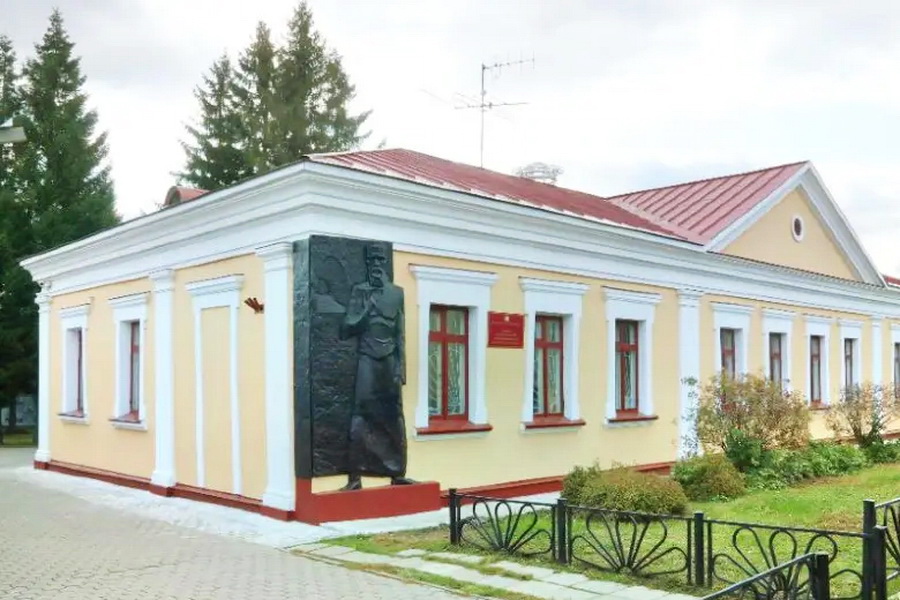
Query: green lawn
point(17, 440)
point(654, 548)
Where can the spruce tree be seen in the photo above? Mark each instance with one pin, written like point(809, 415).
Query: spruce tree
point(313, 92)
point(61, 188)
point(288, 102)
point(218, 156)
point(256, 95)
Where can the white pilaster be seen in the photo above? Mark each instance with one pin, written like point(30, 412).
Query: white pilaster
point(279, 492)
point(42, 454)
point(877, 346)
point(688, 360)
point(164, 421)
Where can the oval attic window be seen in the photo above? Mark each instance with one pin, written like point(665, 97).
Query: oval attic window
point(797, 228)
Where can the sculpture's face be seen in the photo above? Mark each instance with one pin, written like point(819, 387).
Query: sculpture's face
point(377, 275)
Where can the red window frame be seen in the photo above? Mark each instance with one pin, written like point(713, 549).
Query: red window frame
point(134, 366)
point(728, 351)
point(543, 342)
point(815, 369)
point(79, 372)
point(622, 350)
point(849, 344)
point(775, 357)
point(897, 366)
point(444, 338)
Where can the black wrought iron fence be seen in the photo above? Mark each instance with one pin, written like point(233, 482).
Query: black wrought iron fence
point(805, 577)
point(695, 550)
point(887, 515)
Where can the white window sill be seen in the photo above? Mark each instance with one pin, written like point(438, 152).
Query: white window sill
point(76, 420)
point(132, 425)
point(641, 421)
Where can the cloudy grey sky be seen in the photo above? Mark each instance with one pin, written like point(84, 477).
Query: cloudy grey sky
point(624, 94)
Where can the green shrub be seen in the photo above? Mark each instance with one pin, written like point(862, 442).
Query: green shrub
point(622, 488)
point(883, 452)
point(709, 477)
point(863, 412)
point(781, 468)
point(745, 452)
point(625, 489)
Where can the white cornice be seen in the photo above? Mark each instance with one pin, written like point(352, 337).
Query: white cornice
point(617, 295)
point(734, 309)
point(302, 200)
point(423, 273)
point(818, 320)
point(129, 301)
point(554, 287)
point(73, 312)
point(776, 314)
point(229, 283)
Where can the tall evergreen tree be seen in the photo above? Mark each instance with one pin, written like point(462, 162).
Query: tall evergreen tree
point(291, 101)
point(218, 156)
point(11, 347)
point(61, 188)
point(256, 94)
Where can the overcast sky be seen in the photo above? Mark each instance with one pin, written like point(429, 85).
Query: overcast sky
point(622, 95)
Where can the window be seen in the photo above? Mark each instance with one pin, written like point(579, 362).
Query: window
point(776, 361)
point(728, 343)
point(815, 369)
point(74, 402)
point(548, 366)
point(134, 367)
point(130, 314)
point(896, 364)
point(627, 388)
point(849, 362)
point(470, 293)
point(448, 360)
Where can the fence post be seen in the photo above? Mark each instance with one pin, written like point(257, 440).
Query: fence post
point(699, 549)
point(562, 531)
point(821, 580)
point(454, 517)
point(879, 563)
point(868, 528)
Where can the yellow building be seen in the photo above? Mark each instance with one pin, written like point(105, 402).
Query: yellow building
point(166, 357)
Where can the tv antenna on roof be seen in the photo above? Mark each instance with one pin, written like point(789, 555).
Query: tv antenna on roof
point(484, 105)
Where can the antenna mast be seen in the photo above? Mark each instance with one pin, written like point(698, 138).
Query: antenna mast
point(484, 106)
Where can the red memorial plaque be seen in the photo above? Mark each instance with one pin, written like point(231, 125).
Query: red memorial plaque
point(506, 330)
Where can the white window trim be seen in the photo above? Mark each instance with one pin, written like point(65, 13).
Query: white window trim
point(557, 298)
point(454, 287)
point(215, 293)
point(851, 330)
point(737, 317)
point(631, 306)
point(125, 310)
point(75, 317)
point(779, 321)
point(819, 326)
point(895, 339)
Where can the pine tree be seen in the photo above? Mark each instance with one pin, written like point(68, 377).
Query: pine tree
point(218, 155)
point(277, 105)
point(313, 92)
point(61, 188)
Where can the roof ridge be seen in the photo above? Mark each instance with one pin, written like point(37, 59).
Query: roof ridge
point(708, 179)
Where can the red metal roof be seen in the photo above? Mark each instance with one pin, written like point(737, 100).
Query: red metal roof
point(438, 172)
point(891, 280)
point(178, 194)
point(700, 210)
point(696, 211)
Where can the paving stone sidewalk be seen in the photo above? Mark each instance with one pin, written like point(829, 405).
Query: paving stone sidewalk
point(539, 582)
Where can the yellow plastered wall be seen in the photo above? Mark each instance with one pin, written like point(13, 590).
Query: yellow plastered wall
point(770, 240)
point(507, 453)
point(97, 443)
point(216, 346)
